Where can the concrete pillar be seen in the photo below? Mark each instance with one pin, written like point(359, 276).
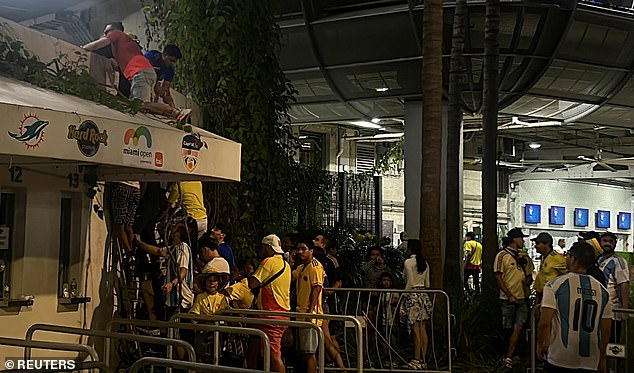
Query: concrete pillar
point(413, 162)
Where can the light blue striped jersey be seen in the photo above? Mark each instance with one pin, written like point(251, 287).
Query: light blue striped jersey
point(580, 302)
point(616, 272)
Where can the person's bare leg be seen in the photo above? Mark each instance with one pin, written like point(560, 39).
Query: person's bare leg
point(148, 298)
point(311, 363)
point(424, 341)
point(122, 235)
point(513, 340)
point(277, 365)
point(417, 340)
point(331, 347)
point(159, 108)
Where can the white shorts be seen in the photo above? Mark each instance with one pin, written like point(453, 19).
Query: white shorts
point(308, 340)
point(142, 85)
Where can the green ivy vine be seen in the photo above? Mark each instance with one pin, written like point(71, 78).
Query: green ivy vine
point(230, 66)
point(67, 74)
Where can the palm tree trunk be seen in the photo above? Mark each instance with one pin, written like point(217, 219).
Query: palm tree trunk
point(431, 234)
point(489, 148)
point(453, 260)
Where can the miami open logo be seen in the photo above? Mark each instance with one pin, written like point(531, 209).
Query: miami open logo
point(31, 131)
point(139, 150)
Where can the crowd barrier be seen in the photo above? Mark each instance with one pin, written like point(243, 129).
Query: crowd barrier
point(386, 340)
point(201, 327)
point(198, 367)
point(109, 336)
point(357, 326)
point(57, 346)
point(299, 324)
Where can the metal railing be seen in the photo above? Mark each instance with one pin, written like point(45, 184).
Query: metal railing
point(353, 320)
point(263, 321)
point(109, 336)
point(198, 367)
point(380, 309)
point(202, 327)
point(56, 346)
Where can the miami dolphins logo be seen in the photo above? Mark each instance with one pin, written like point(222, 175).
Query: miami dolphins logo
point(133, 135)
point(31, 131)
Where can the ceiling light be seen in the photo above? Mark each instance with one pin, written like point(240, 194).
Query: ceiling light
point(365, 124)
point(302, 137)
point(534, 145)
point(376, 120)
point(388, 135)
point(382, 89)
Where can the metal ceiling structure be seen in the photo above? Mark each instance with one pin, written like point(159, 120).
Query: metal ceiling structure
point(566, 69)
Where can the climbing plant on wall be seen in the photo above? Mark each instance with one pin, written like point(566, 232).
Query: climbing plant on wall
point(230, 67)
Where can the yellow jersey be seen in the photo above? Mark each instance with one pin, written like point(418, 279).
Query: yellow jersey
point(209, 304)
point(473, 250)
point(306, 276)
point(514, 274)
point(276, 295)
point(190, 193)
point(553, 265)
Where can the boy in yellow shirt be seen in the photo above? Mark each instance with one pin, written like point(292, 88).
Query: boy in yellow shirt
point(213, 279)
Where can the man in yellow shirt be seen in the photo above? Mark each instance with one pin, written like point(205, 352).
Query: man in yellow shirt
point(473, 261)
point(513, 274)
point(309, 278)
point(273, 279)
point(553, 264)
point(190, 195)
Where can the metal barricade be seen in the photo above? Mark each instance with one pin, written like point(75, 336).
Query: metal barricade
point(191, 355)
point(202, 327)
point(263, 321)
point(198, 367)
point(57, 346)
point(351, 319)
point(379, 311)
point(629, 347)
point(533, 336)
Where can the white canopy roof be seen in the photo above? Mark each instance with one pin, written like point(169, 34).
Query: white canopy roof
point(46, 129)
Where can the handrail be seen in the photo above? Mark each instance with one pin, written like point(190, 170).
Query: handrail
point(202, 327)
point(357, 324)
point(191, 354)
point(199, 367)
point(410, 291)
point(533, 341)
point(55, 346)
point(253, 320)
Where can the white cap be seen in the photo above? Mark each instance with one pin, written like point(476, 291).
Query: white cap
point(273, 241)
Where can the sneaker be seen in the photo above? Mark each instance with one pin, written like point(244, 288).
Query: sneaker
point(415, 364)
point(508, 362)
point(183, 115)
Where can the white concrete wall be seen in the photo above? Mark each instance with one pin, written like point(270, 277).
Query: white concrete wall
point(35, 264)
point(571, 194)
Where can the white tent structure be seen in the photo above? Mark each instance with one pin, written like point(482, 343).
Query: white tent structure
point(42, 130)
point(54, 148)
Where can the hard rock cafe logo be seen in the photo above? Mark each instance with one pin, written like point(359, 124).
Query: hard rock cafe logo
point(31, 131)
point(190, 149)
point(88, 137)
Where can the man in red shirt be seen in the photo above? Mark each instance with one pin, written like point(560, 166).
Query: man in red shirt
point(136, 68)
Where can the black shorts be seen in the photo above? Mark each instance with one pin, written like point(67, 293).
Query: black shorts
point(125, 200)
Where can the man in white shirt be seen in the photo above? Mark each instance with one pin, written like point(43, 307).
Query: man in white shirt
point(574, 326)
